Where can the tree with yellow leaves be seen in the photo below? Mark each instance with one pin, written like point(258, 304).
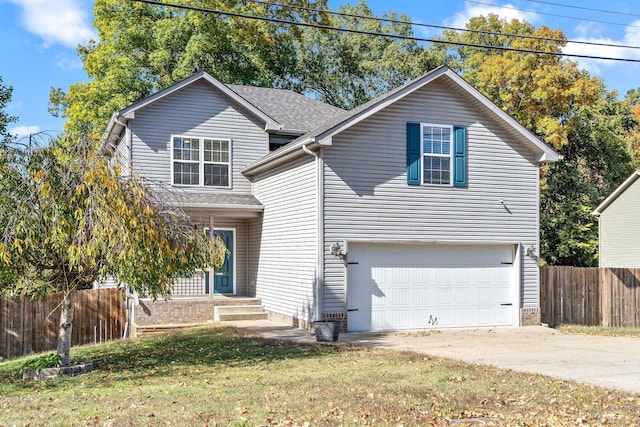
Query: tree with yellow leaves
point(68, 220)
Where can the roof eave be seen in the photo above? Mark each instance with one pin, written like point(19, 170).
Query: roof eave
point(112, 133)
point(616, 193)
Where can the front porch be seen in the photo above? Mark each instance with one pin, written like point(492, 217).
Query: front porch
point(194, 309)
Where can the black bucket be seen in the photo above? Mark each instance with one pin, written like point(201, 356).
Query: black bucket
point(326, 331)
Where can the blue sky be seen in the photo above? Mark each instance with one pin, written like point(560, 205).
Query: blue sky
point(38, 40)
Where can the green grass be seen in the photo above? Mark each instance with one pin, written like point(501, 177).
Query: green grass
point(221, 376)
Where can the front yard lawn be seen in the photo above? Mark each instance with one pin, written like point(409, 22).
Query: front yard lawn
point(221, 376)
point(607, 331)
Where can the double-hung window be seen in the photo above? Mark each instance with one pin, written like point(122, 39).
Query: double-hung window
point(201, 161)
point(436, 154)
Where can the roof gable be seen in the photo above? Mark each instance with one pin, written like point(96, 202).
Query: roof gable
point(322, 134)
point(116, 124)
point(616, 193)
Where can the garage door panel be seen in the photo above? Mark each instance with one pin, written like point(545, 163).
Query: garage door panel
point(420, 286)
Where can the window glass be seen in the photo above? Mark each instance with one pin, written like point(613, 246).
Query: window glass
point(436, 154)
point(193, 157)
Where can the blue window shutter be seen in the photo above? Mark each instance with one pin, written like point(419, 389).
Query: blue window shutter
point(460, 156)
point(413, 154)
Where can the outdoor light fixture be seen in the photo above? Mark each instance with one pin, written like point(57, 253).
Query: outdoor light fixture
point(336, 250)
point(531, 252)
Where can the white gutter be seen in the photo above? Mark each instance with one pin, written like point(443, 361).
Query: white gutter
point(319, 231)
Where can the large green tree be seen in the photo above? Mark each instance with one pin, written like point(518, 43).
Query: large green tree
point(595, 160)
point(68, 220)
point(142, 48)
point(347, 69)
point(543, 92)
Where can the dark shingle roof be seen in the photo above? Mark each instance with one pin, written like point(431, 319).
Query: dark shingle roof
point(213, 200)
point(291, 109)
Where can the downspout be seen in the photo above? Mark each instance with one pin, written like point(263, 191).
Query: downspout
point(319, 232)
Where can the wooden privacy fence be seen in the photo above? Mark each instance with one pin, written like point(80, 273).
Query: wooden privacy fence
point(590, 296)
point(32, 326)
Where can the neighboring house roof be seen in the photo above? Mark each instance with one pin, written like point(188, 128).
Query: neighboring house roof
point(618, 191)
point(295, 112)
point(322, 134)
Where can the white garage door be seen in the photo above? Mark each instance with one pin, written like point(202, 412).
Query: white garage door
point(392, 286)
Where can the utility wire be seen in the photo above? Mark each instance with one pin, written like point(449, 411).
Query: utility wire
point(371, 33)
point(590, 9)
point(553, 14)
point(441, 27)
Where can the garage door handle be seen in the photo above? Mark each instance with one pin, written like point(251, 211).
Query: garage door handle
point(509, 303)
point(352, 309)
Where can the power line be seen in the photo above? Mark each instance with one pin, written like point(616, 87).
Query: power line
point(590, 9)
point(371, 33)
point(442, 27)
point(553, 14)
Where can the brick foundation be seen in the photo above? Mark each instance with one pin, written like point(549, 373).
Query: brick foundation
point(337, 317)
point(173, 312)
point(530, 316)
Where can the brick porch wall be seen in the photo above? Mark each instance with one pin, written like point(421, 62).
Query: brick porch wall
point(173, 312)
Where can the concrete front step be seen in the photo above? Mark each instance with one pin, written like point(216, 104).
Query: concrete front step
point(230, 317)
point(239, 312)
point(221, 300)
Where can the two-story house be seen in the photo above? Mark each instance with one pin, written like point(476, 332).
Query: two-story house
point(417, 209)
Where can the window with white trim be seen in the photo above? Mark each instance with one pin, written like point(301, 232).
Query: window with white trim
point(201, 161)
point(436, 154)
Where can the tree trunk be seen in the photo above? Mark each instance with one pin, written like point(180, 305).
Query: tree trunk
point(66, 321)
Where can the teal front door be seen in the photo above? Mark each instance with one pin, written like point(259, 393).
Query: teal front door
point(223, 278)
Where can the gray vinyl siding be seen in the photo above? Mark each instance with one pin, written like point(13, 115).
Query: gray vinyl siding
point(254, 241)
point(286, 251)
point(366, 196)
point(241, 251)
point(197, 110)
point(620, 230)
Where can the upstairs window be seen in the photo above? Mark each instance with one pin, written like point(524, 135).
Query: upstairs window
point(436, 154)
point(201, 161)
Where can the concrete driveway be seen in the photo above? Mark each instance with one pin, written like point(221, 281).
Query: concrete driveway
point(601, 361)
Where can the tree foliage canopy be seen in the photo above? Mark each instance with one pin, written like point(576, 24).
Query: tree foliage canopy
point(347, 69)
point(542, 92)
point(67, 220)
point(144, 48)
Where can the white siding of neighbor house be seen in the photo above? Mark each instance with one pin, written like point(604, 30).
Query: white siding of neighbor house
point(366, 196)
point(197, 110)
point(284, 245)
point(620, 230)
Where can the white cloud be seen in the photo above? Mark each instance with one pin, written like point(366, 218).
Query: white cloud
point(596, 66)
point(61, 21)
point(68, 63)
point(24, 131)
point(506, 11)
